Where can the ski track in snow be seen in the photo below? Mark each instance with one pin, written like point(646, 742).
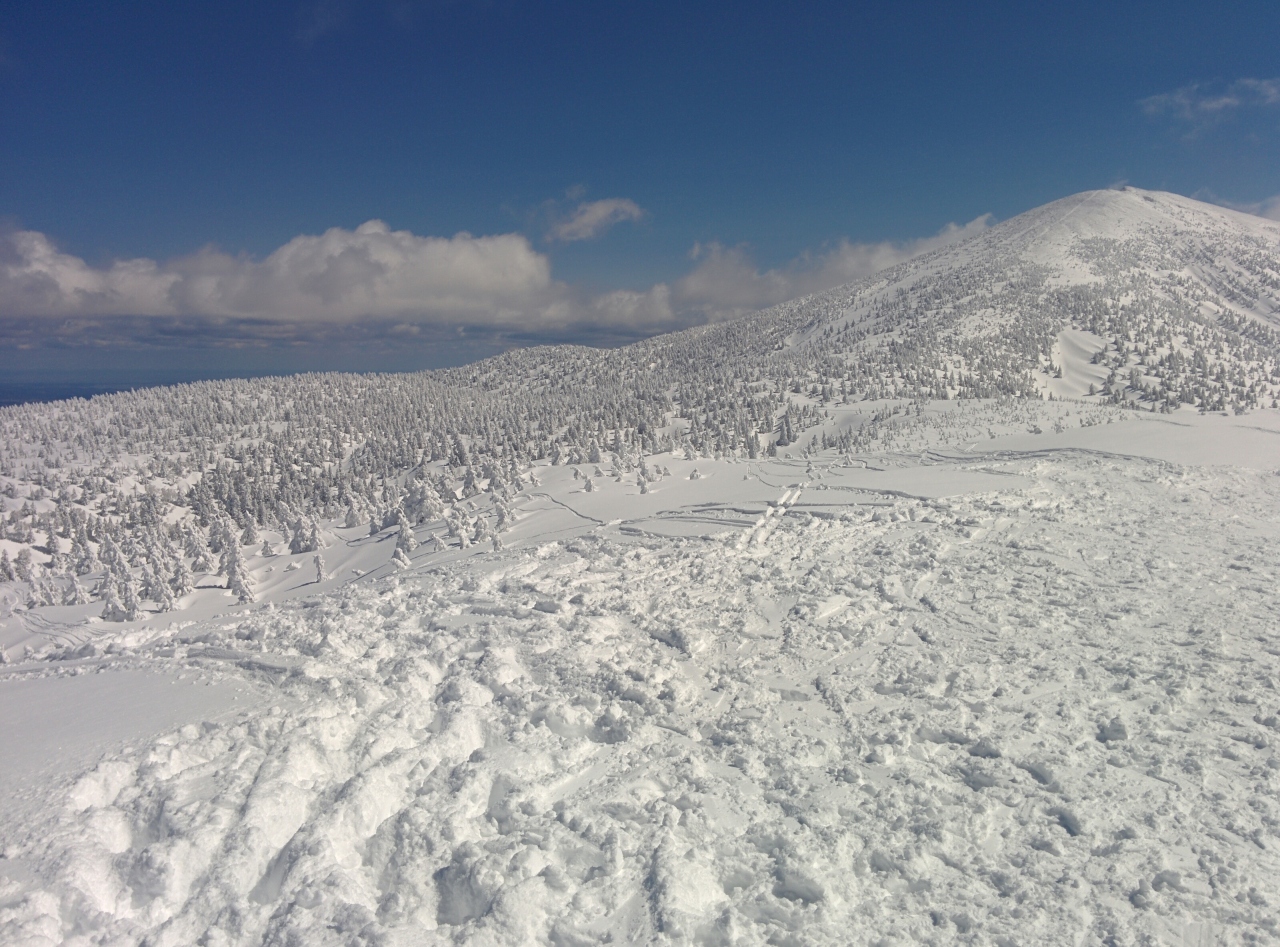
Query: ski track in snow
point(1041, 714)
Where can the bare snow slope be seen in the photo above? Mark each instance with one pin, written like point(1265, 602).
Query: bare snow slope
point(1023, 692)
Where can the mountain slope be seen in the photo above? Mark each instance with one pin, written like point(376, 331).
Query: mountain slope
point(1186, 293)
point(1146, 299)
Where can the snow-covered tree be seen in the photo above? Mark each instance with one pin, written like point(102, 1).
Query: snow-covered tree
point(305, 537)
point(120, 597)
point(405, 540)
point(239, 582)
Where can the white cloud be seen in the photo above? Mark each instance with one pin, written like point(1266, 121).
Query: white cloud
point(375, 276)
point(37, 279)
point(1270, 208)
point(1201, 105)
point(592, 219)
point(625, 307)
point(725, 284)
point(340, 275)
point(1267, 207)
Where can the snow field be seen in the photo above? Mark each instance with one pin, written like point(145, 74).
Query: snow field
point(1045, 713)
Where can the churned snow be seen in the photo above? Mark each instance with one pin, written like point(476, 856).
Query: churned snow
point(1009, 694)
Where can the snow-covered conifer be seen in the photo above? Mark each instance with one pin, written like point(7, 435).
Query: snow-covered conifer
point(304, 538)
point(24, 566)
point(74, 593)
point(239, 582)
point(120, 597)
point(181, 581)
point(405, 540)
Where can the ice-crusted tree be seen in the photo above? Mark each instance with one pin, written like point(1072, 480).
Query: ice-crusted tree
point(203, 561)
point(192, 544)
point(84, 559)
point(423, 503)
point(156, 589)
point(120, 597)
point(181, 581)
point(305, 537)
point(43, 591)
point(219, 534)
point(231, 554)
point(24, 566)
point(239, 582)
point(405, 540)
point(74, 593)
point(110, 556)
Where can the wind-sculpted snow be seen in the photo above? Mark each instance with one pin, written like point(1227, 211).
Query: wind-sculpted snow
point(1040, 712)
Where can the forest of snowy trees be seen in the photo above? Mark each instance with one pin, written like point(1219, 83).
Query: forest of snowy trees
point(122, 498)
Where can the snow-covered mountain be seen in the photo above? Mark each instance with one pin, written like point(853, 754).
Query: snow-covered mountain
point(939, 607)
point(1186, 293)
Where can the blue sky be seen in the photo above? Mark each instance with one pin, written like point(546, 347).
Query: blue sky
point(620, 168)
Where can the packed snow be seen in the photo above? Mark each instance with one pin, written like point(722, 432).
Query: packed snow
point(656, 646)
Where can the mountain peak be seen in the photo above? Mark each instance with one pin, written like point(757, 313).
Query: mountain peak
point(1119, 271)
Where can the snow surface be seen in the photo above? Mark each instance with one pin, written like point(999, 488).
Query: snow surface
point(1010, 689)
point(940, 607)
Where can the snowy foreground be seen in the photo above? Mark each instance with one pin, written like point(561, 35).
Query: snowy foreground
point(1018, 691)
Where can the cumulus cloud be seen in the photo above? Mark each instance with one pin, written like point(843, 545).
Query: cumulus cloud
point(593, 218)
point(340, 275)
point(37, 279)
point(347, 287)
point(726, 284)
point(1201, 105)
point(629, 307)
